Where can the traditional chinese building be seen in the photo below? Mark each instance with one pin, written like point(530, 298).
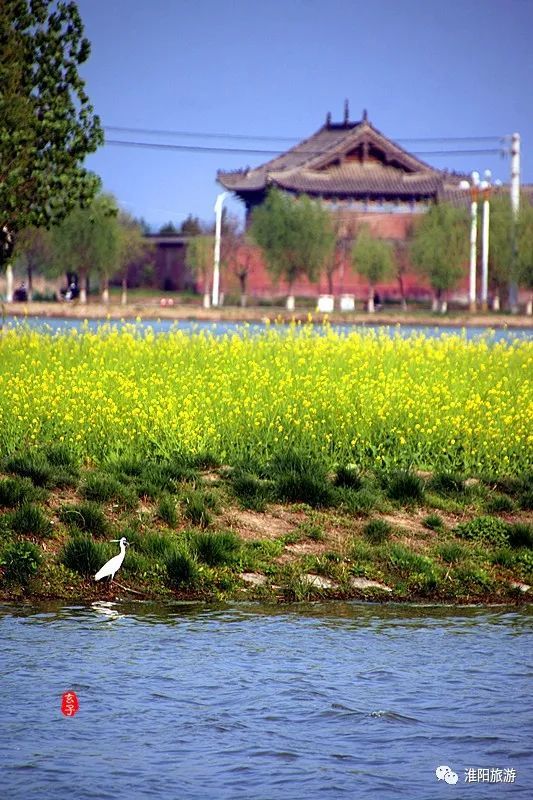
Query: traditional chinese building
point(359, 173)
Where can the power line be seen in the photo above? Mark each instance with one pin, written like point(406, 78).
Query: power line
point(194, 148)
point(251, 137)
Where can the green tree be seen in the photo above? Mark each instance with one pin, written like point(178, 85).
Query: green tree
point(88, 241)
point(295, 236)
point(439, 249)
point(199, 259)
point(168, 229)
point(191, 226)
point(33, 253)
point(501, 238)
point(132, 249)
point(372, 258)
point(47, 124)
point(524, 259)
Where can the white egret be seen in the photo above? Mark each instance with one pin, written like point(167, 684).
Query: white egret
point(114, 564)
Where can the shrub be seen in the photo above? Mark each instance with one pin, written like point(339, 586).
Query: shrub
point(498, 503)
point(100, 487)
point(434, 522)
point(182, 568)
point(377, 531)
point(520, 535)
point(216, 549)
point(405, 487)
point(166, 510)
point(31, 465)
point(20, 561)
point(83, 555)
point(489, 530)
point(15, 491)
point(30, 520)
point(86, 517)
point(348, 478)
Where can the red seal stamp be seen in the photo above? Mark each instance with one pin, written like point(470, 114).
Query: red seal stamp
point(69, 704)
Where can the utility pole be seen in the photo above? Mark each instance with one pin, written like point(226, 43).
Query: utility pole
point(515, 205)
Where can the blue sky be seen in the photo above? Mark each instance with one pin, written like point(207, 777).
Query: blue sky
point(422, 68)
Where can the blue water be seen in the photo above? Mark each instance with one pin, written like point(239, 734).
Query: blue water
point(59, 324)
point(274, 703)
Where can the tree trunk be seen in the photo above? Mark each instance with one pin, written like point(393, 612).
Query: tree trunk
point(529, 305)
point(207, 300)
point(402, 292)
point(242, 281)
point(9, 284)
point(290, 304)
point(444, 306)
point(105, 290)
point(370, 304)
point(83, 287)
point(124, 296)
point(29, 272)
point(496, 301)
point(330, 283)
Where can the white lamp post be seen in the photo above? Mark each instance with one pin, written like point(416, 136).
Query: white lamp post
point(473, 186)
point(216, 267)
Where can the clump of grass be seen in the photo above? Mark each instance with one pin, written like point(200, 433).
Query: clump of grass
point(525, 499)
point(20, 561)
point(216, 549)
point(520, 534)
point(405, 560)
point(100, 487)
point(59, 455)
point(155, 545)
point(15, 491)
point(83, 555)
point(504, 557)
point(348, 477)
point(377, 531)
point(252, 492)
point(86, 516)
point(472, 578)
point(499, 503)
point(166, 510)
point(405, 487)
point(360, 503)
point(181, 568)
point(298, 479)
point(434, 522)
point(32, 465)
point(311, 531)
point(28, 519)
point(488, 530)
point(197, 506)
point(447, 483)
point(451, 552)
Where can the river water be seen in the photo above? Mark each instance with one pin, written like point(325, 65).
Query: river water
point(59, 324)
point(339, 700)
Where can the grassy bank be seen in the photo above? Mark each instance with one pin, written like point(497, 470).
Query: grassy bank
point(287, 531)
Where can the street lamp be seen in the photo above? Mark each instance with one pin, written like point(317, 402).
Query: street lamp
point(216, 267)
point(473, 186)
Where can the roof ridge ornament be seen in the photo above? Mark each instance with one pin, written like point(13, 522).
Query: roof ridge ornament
point(365, 115)
point(346, 112)
point(328, 119)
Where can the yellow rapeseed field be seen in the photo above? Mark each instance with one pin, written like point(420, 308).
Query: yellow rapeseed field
point(368, 398)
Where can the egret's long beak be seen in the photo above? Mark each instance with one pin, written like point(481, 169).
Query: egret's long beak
point(114, 540)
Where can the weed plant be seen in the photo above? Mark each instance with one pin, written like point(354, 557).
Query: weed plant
point(404, 487)
point(447, 483)
point(182, 570)
point(215, 549)
point(499, 503)
point(486, 530)
point(377, 531)
point(83, 555)
point(197, 506)
point(100, 487)
point(29, 520)
point(15, 491)
point(166, 510)
point(252, 492)
point(20, 561)
point(451, 552)
point(32, 465)
point(520, 534)
point(86, 516)
point(348, 477)
point(434, 522)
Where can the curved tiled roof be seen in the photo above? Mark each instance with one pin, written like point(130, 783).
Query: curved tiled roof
point(324, 164)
